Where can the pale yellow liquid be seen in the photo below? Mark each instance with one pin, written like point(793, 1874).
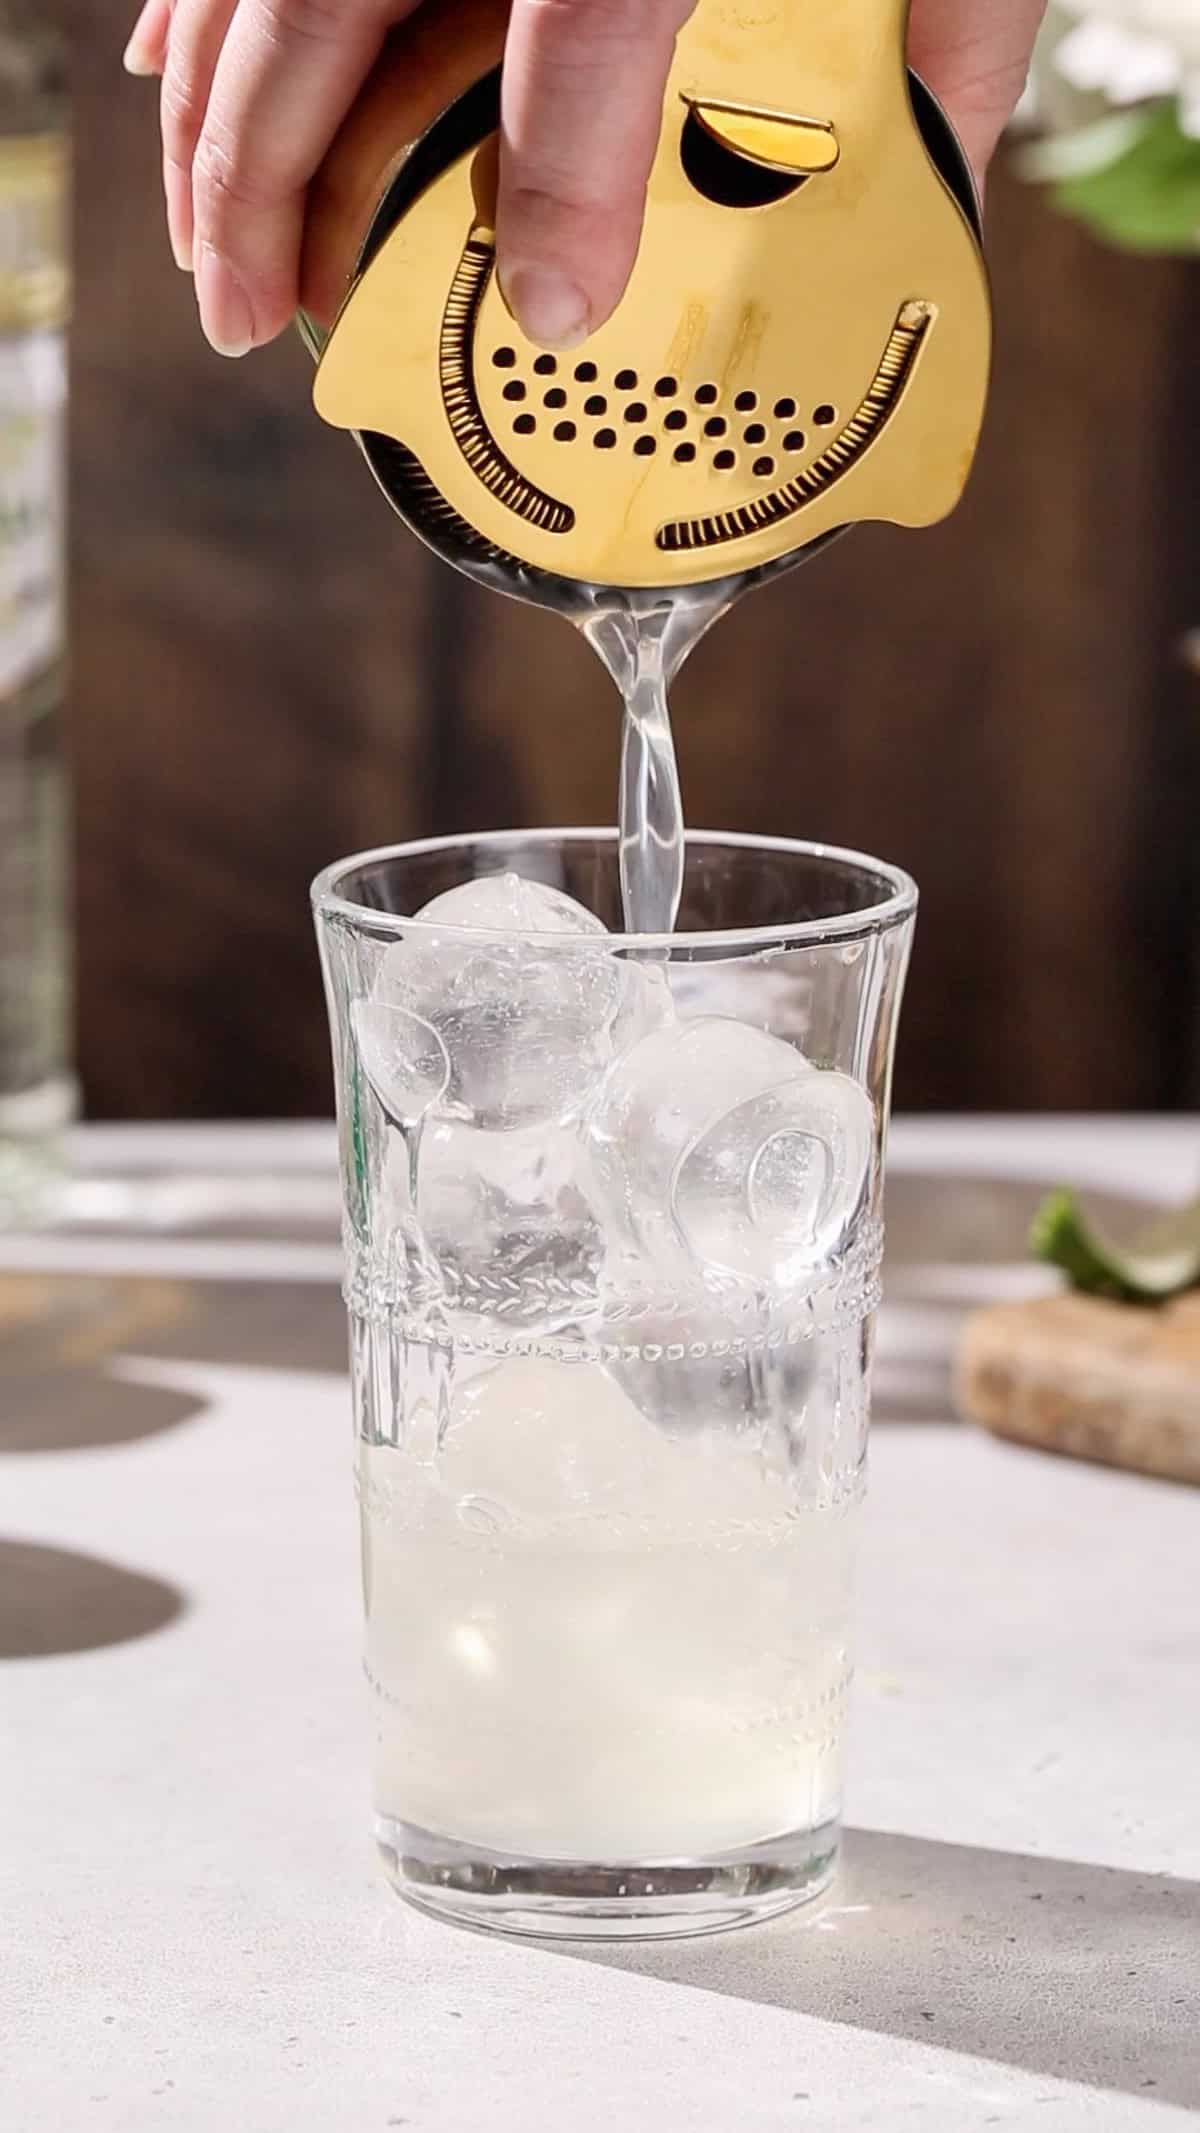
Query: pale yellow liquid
point(589, 1639)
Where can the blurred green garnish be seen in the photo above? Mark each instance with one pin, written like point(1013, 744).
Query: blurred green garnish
point(1161, 1261)
point(1132, 176)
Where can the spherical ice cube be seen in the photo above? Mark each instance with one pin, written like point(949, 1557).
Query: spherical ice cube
point(403, 1058)
point(718, 1150)
point(506, 1224)
point(507, 1017)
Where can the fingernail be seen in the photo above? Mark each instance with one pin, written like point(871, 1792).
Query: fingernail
point(137, 60)
point(224, 306)
point(549, 307)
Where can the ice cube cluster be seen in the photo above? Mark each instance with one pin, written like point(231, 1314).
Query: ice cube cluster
point(583, 1157)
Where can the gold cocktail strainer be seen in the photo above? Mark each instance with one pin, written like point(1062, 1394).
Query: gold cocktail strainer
point(803, 344)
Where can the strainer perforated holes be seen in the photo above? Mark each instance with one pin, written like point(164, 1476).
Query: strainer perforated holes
point(839, 455)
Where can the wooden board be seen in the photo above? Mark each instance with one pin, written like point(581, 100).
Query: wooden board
point(1099, 1380)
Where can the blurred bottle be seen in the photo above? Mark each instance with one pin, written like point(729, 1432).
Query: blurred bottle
point(36, 1086)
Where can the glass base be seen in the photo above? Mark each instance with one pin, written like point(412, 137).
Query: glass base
point(502, 1892)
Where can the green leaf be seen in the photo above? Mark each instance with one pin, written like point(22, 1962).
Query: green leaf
point(1148, 198)
point(1056, 158)
point(1160, 1262)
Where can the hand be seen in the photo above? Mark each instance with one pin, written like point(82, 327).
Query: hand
point(255, 90)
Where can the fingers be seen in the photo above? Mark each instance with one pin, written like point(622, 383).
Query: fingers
point(288, 73)
point(197, 32)
point(255, 90)
point(582, 105)
point(253, 94)
point(146, 52)
point(974, 55)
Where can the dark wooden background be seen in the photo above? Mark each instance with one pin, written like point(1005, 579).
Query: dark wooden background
point(269, 673)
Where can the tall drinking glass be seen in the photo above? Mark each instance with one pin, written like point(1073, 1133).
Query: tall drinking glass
point(613, 1235)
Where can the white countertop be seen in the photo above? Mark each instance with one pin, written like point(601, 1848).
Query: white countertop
point(195, 1936)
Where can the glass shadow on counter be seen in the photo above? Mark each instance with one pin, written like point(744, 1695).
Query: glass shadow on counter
point(1079, 1973)
point(63, 1337)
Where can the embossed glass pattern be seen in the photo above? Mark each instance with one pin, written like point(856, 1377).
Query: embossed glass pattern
point(613, 1235)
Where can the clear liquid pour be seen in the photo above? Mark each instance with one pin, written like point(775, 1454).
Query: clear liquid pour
point(641, 637)
point(643, 648)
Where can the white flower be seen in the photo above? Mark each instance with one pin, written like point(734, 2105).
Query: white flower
point(1133, 50)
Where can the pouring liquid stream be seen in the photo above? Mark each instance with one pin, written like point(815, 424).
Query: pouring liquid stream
point(643, 649)
point(651, 804)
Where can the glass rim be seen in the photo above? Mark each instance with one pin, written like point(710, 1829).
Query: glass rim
point(892, 909)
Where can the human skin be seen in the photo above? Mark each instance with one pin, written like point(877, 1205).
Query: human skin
point(254, 91)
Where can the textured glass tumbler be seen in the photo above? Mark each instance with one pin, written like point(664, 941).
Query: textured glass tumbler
point(613, 1236)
